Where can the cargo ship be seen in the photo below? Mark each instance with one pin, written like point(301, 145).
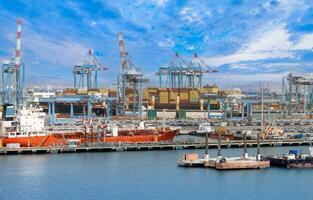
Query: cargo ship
point(293, 160)
point(27, 129)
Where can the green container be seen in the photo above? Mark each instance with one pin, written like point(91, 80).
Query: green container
point(180, 114)
point(152, 114)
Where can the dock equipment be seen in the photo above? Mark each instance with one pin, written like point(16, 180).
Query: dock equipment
point(182, 74)
point(86, 74)
point(13, 75)
point(130, 77)
point(88, 101)
point(95, 147)
point(223, 163)
point(297, 89)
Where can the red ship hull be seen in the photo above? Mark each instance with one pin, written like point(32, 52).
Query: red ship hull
point(60, 139)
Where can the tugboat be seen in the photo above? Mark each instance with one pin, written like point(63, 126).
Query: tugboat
point(295, 159)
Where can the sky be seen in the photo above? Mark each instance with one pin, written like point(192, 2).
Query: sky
point(247, 41)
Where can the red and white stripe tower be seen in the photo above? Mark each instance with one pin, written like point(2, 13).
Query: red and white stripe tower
point(13, 74)
point(18, 44)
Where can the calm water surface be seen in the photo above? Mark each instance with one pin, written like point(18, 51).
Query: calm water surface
point(144, 175)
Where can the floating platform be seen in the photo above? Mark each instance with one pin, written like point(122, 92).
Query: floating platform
point(211, 163)
point(233, 163)
point(242, 163)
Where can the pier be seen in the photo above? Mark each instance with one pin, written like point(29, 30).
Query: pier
point(149, 146)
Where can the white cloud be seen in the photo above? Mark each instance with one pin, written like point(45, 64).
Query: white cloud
point(160, 2)
point(190, 47)
point(270, 41)
point(194, 15)
point(189, 15)
point(93, 23)
point(246, 81)
point(58, 52)
point(273, 43)
point(166, 43)
point(305, 42)
point(157, 2)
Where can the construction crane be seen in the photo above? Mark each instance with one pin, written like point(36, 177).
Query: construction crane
point(129, 77)
point(13, 75)
point(86, 74)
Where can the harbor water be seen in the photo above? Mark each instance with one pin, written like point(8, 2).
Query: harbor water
point(145, 175)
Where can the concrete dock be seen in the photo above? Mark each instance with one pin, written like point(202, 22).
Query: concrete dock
point(149, 146)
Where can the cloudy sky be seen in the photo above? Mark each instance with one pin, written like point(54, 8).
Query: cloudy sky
point(248, 41)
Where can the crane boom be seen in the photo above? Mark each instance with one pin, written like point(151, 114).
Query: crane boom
point(122, 50)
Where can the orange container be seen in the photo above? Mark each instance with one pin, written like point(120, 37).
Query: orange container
point(191, 156)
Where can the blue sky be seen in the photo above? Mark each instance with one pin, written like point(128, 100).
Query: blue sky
point(248, 41)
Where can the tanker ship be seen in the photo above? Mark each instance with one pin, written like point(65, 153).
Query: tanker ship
point(27, 129)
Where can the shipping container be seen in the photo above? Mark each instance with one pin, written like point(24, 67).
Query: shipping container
point(180, 114)
point(145, 94)
point(193, 95)
point(163, 96)
point(13, 145)
point(183, 95)
point(70, 90)
point(104, 90)
point(93, 92)
point(212, 89)
point(82, 91)
point(151, 114)
point(173, 95)
point(191, 157)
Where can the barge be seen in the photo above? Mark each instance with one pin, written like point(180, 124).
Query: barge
point(293, 160)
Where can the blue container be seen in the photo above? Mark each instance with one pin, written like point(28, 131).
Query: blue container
point(299, 136)
point(295, 152)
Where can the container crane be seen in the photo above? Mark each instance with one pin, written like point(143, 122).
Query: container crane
point(180, 74)
point(86, 74)
point(130, 77)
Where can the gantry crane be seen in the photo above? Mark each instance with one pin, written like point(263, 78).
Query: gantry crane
point(130, 77)
point(182, 74)
point(86, 74)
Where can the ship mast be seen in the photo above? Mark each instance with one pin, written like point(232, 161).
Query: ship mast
point(258, 156)
point(206, 154)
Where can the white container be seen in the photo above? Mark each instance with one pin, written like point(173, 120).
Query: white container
point(223, 123)
point(115, 131)
point(13, 145)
